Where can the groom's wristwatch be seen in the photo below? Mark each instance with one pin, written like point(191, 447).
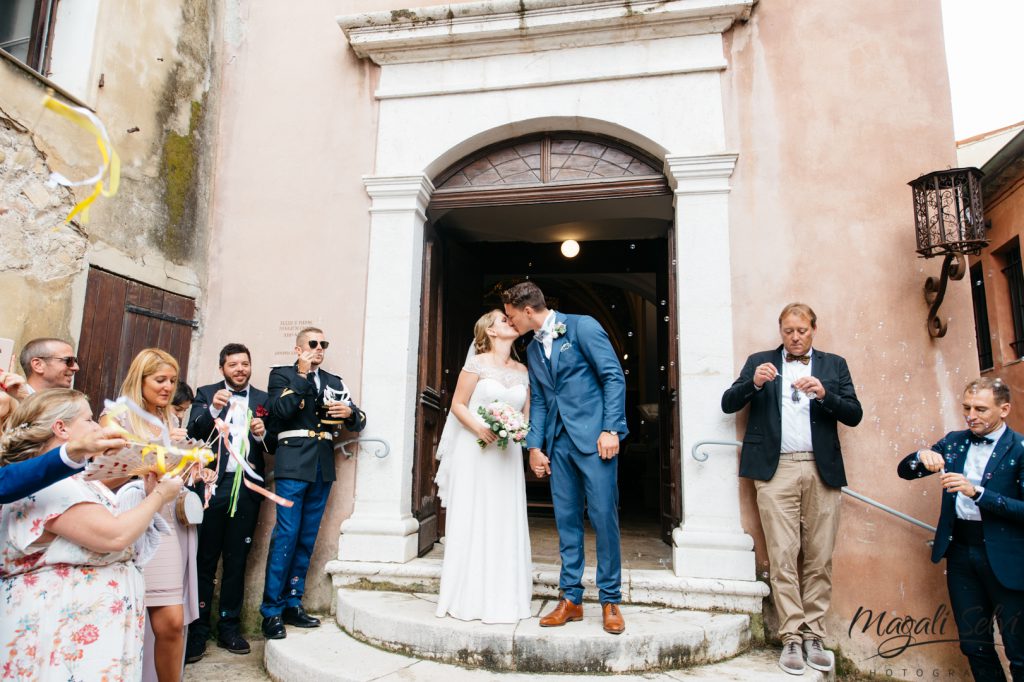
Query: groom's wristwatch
point(614, 433)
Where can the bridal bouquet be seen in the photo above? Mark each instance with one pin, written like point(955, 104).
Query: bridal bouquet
point(505, 421)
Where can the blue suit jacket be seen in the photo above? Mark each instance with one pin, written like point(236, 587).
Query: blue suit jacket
point(1002, 505)
point(582, 383)
point(21, 479)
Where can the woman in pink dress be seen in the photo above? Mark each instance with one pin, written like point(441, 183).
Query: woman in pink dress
point(171, 600)
point(70, 593)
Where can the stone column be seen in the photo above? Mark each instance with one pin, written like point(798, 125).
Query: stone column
point(381, 527)
point(710, 542)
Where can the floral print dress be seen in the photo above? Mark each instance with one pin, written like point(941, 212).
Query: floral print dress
point(66, 613)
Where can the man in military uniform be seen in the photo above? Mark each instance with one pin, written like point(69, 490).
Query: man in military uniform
point(308, 405)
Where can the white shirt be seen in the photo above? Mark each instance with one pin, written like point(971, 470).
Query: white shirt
point(545, 332)
point(796, 414)
point(974, 468)
point(237, 407)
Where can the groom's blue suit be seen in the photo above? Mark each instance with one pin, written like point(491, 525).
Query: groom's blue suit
point(574, 396)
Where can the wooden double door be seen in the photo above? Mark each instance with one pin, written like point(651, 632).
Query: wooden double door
point(120, 318)
point(459, 285)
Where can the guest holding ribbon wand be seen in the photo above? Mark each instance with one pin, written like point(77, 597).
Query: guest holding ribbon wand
point(171, 595)
point(230, 518)
point(72, 595)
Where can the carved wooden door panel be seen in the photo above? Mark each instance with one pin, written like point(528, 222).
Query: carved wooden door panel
point(668, 409)
point(120, 318)
point(429, 413)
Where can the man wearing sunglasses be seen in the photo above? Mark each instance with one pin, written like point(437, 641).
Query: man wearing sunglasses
point(47, 363)
point(797, 396)
point(307, 405)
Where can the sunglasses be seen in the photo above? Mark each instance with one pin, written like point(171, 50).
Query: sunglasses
point(69, 360)
point(313, 343)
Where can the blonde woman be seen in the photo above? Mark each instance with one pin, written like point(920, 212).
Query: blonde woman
point(487, 570)
point(70, 593)
point(170, 575)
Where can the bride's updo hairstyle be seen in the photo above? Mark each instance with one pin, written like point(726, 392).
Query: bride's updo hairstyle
point(482, 342)
point(30, 427)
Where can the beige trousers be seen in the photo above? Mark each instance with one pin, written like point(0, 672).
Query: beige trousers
point(800, 518)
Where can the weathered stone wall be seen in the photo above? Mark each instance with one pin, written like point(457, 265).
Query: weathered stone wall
point(151, 77)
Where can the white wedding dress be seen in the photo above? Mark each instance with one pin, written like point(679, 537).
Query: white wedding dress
point(488, 571)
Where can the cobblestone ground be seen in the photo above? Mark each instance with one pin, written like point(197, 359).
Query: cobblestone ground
point(218, 664)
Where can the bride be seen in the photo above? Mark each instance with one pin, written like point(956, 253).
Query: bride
point(487, 571)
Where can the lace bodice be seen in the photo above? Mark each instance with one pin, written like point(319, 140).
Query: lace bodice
point(507, 384)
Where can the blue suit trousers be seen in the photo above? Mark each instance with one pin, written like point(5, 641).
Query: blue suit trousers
point(579, 478)
point(291, 543)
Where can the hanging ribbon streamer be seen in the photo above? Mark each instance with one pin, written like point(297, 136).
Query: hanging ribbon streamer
point(243, 466)
point(110, 169)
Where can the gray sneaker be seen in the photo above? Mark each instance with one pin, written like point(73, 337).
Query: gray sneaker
point(817, 656)
point(792, 659)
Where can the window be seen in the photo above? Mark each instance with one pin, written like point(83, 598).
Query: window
point(1015, 282)
point(26, 31)
point(983, 336)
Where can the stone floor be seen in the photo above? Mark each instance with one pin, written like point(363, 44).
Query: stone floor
point(641, 545)
point(218, 664)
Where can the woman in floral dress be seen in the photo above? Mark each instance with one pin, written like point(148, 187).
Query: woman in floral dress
point(70, 595)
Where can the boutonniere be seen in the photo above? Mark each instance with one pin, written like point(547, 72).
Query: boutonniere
point(260, 412)
point(559, 330)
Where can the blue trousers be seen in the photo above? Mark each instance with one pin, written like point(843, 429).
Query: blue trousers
point(578, 478)
point(977, 599)
point(291, 543)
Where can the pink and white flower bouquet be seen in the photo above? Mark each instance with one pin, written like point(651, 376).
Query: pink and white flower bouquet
point(504, 420)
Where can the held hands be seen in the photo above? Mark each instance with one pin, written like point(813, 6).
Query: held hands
point(257, 427)
point(764, 373)
point(811, 386)
point(484, 433)
point(539, 463)
point(956, 483)
point(221, 399)
point(306, 358)
point(931, 460)
point(96, 442)
point(14, 384)
point(607, 445)
point(339, 410)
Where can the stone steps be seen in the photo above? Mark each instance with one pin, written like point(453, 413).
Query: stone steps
point(639, 586)
point(656, 638)
point(327, 654)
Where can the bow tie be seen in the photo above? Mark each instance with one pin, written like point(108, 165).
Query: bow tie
point(806, 359)
point(542, 334)
point(244, 393)
point(979, 440)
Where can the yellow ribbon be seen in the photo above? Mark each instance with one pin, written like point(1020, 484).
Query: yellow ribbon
point(110, 169)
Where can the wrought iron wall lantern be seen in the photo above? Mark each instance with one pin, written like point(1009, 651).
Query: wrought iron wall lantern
point(950, 222)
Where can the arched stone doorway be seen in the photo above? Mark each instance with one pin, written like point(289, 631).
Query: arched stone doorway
point(498, 216)
point(452, 83)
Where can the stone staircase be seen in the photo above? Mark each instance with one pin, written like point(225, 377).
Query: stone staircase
point(384, 629)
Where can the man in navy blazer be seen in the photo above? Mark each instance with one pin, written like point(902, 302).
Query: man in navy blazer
point(981, 526)
point(578, 416)
point(21, 479)
point(798, 396)
point(223, 535)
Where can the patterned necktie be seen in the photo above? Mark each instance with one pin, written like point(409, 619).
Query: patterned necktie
point(806, 359)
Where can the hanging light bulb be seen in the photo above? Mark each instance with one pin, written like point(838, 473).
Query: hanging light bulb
point(570, 248)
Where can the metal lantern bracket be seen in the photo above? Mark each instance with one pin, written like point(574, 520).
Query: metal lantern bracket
point(954, 266)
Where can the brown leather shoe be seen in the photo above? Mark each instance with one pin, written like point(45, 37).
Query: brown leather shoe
point(613, 621)
point(563, 612)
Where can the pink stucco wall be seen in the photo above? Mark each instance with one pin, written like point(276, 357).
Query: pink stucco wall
point(833, 108)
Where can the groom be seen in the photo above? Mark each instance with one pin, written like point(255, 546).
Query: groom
point(577, 416)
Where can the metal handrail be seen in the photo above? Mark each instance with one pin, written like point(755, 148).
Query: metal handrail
point(377, 453)
point(703, 457)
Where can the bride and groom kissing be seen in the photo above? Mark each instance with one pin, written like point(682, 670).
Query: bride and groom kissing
point(574, 398)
